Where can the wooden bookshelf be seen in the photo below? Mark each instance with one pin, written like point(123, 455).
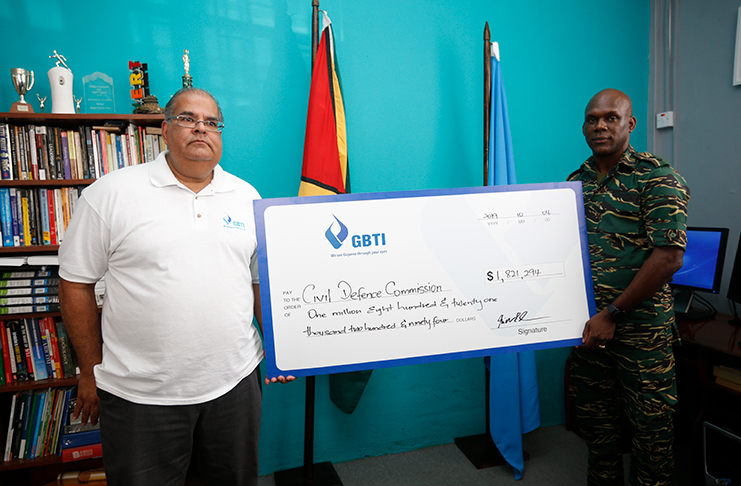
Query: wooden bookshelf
point(42, 470)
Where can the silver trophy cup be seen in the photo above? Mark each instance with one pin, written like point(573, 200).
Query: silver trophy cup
point(22, 82)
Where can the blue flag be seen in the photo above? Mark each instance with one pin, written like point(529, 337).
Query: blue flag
point(514, 407)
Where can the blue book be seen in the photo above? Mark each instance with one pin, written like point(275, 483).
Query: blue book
point(65, 155)
point(43, 209)
point(37, 349)
point(33, 440)
point(6, 216)
point(119, 150)
point(14, 200)
point(79, 439)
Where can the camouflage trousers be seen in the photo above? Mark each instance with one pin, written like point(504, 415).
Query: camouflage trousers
point(618, 391)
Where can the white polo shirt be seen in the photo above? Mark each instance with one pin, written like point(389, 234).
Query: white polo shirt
point(179, 268)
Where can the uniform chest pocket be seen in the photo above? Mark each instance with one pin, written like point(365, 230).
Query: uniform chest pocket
point(616, 213)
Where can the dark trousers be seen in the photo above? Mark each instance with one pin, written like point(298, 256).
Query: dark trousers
point(152, 444)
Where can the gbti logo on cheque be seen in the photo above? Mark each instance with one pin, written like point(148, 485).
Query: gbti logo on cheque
point(337, 233)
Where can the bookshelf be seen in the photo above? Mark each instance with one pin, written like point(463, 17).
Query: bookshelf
point(42, 470)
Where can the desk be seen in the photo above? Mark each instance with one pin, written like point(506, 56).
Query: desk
point(705, 344)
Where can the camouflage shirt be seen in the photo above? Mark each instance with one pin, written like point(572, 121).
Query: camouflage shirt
point(639, 205)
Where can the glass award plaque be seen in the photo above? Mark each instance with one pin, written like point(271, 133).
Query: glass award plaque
point(98, 92)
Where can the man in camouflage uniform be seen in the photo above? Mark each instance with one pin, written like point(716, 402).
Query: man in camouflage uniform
point(636, 213)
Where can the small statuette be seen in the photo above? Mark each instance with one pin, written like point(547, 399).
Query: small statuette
point(77, 103)
point(60, 58)
point(41, 102)
point(187, 79)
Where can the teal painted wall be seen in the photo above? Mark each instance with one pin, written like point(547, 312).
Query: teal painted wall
point(412, 79)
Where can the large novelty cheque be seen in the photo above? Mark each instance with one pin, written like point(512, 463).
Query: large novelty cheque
point(364, 281)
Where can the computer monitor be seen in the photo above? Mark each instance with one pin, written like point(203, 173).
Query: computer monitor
point(702, 267)
point(734, 287)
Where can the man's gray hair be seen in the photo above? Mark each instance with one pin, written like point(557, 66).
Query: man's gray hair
point(171, 104)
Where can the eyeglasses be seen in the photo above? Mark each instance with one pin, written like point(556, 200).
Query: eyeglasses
point(186, 121)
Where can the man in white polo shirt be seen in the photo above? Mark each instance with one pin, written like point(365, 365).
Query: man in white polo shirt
point(171, 364)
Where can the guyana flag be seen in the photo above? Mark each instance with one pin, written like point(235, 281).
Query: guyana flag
point(325, 169)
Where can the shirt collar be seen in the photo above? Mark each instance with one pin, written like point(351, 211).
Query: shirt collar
point(161, 175)
point(628, 159)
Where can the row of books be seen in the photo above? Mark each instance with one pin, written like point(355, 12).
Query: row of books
point(728, 377)
point(31, 152)
point(29, 290)
point(36, 216)
point(35, 348)
point(41, 424)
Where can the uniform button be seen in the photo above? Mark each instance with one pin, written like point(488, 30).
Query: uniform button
point(199, 215)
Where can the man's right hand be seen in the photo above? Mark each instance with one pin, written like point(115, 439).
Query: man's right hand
point(88, 403)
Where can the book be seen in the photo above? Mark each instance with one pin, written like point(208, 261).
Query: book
point(27, 351)
point(7, 365)
point(52, 216)
point(83, 452)
point(11, 423)
point(25, 222)
point(65, 350)
point(44, 212)
point(728, 373)
point(36, 348)
point(29, 309)
point(58, 214)
point(11, 373)
point(23, 402)
point(79, 156)
point(30, 272)
point(42, 152)
point(15, 216)
point(29, 300)
point(15, 291)
point(49, 330)
point(79, 439)
point(6, 216)
point(66, 163)
point(32, 152)
point(19, 353)
point(53, 140)
point(86, 135)
point(29, 282)
point(22, 152)
point(6, 167)
point(3, 351)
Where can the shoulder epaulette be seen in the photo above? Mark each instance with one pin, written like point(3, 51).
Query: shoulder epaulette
point(650, 158)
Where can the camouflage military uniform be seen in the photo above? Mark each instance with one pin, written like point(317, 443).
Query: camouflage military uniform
point(639, 205)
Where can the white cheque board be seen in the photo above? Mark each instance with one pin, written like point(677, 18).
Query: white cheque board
point(363, 281)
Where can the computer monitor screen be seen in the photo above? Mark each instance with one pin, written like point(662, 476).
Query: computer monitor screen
point(734, 287)
point(702, 267)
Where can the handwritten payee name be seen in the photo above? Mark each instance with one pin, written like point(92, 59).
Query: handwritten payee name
point(344, 291)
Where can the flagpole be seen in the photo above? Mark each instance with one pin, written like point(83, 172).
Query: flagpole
point(322, 474)
point(480, 449)
point(487, 101)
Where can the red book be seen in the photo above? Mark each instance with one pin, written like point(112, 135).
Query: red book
point(49, 330)
point(52, 218)
point(82, 452)
point(6, 353)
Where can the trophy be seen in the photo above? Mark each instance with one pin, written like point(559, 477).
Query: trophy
point(60, 79)
point(187, 79)
point(22, 82)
